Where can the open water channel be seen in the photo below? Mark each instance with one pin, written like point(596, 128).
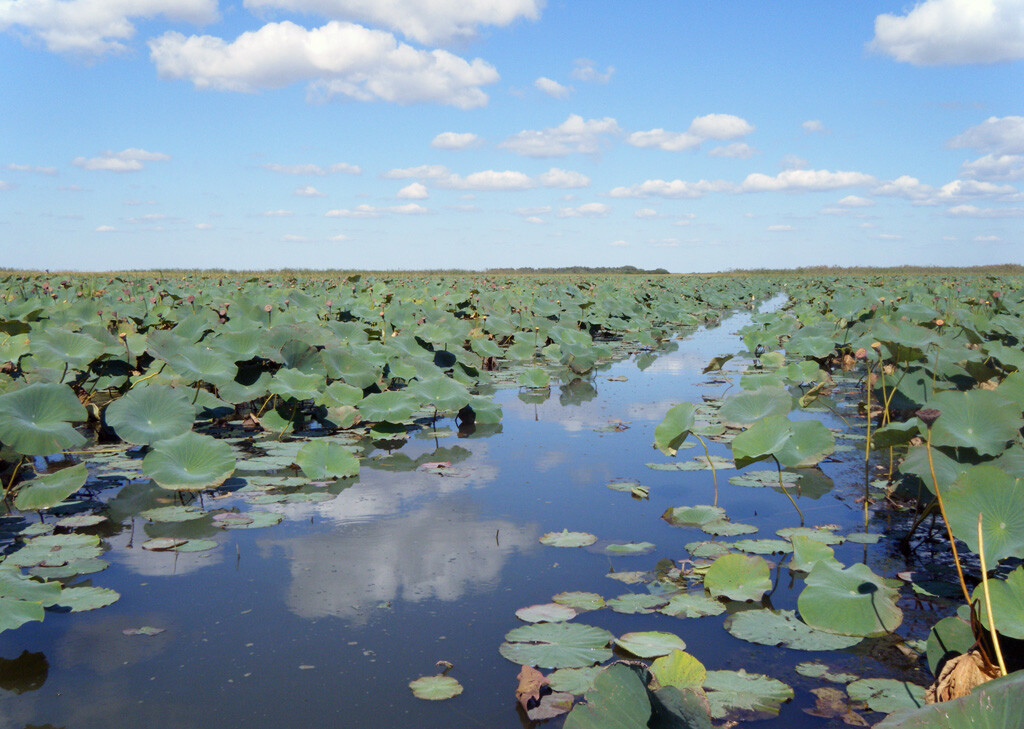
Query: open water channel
point(323, 619)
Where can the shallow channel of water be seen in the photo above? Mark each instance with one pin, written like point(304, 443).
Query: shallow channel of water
point(322, 620)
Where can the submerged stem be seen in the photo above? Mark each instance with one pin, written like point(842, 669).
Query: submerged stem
point(988, 600)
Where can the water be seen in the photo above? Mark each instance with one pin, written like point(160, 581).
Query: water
point(322, 620)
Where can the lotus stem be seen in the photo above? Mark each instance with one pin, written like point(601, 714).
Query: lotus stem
point(867, 442)
point(714, 474)
point(942, 510)
point(782, 486)
point(988, 600)
point(10, 481)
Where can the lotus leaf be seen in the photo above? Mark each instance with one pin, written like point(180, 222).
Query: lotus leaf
point(951, 637)
point(547, 613)
point(250, 520)
point(580, 601)
point(726, 528)
point(999, 499)
point(636, 604)
point(708, 550)
point(763, 546)
point(742, 695)
point(161, 544)
point(782, 628)
point(435, 688)
point(189, 462)
point(81, 521)
point(390, 406)
point(55, 550)
point(557, 645)
point(196, 545)
point(534, 377)
point(35, 420)
point(651, 643)
point(679, 669)
point(444, 393)
point(807, 552)
point(293, 384)
point(573, 680)
point(815, 669)
point(746, 408)
point(980, 419)
point(75, 567)
point(758, 479)
point(629, 548)
point(738, 577)
point(173, 513)
point(695, 516)
point(148, 414)
point(46, 491)
point(692, 605)
point(22, 599)
point(618, 700)
point(81, 599)
point(674, 428)
point(565, 538)
point(320, 459)
point(992, 705)
point(811, 441)
point(886, 694)
point(854, 601)
point(765, 438)
point(819, 534)
point(1007, 603)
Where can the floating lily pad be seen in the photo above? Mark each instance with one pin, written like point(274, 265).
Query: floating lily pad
point(557, 645)
point(573, 680)
point(820, 534)
point(742, 695)
point(863, 538)
point(679, 669)
point(783, 628)
point(189, 462)
point(51, 489)
point(816, 669)
point(651, 643)
point(763, 546)
point(77, 567)
point(547, 613)
point(435, 688)
point(726, 528)
point(162, 544)
point(886, 695)
point(630, 548)
point(250, 520)
point(173, 514)
point(760, 479)
point(738, 577)
point(692, 605)
point(694, 516)
point(22, 599)
point(320, 459)
point(81, 521)
point(55, 550)
point(854, 601)
point(708, 550)
point(580, 601)
point(81, 599)
point(633, 603)
point(196, 545)
point(565, 538)
point(146, 630)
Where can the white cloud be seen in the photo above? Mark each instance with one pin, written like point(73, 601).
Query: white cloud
point(427, 21)
point(941, 32)
point(488, 180)
point(619, 243)
point(409, 209)
point(105, 229)
point(95, 27)
point(574, 135)
point(311, 169)
point(534, 220)
point(6, 185)
point(552, 88)
point(995, 167)
point(414, 191)
point(996, 135)
point(703, 128)
point(645, 213)
point(587, 210)
point(583, 70)
point(309, 191)
point(339, 59)
point(907, 187)
point(203, 226)
point(781, 228)
point(804, 180)
point(673, 189)
point(339, 237)
point(736, 150)
point(455, 140)
point(987, 239)
point(556, 177)
point(32, 168)
point(423, 172)
point(793, 162)
point(278, 214)
point(812, 126)
point(129, 160)
point(971, 211)
point(370, 211)
point(855, 201)
point(539, 210)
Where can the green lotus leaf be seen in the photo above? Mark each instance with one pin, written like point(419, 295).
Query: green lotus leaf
point(980, 419)
point(854, 601)
point(573, 680)
point(15, 586)
point(811, 441)
point(534, 377)
point(57, 347)
point(783, 628)
point(1007, 604)
point(547, 613)
point(708, 549)
point(338, 394)
point(951, 637)
point(695, 516)
point(769, 478)
point(636, 604)
point(580, 601)
point(650, 643)
point(357, 366)
point(196, 362)
point(692, 605)
point(726, 528)
point(679, 669)
point(196, 545)
point(886, 694)
point(390, 406)
point(999, 499)
point(172, 514)
point(51, 489)
point(80, 521)
point(75, 567)
point(629, 548)
point(992, 705)
point(320, 459)
point(189, 462)
point(748, 407)
point(293, 384)
point(816, 669)
point(807, 552)
point(148, 414)
point(35, 420)
point(674, 428)
point(55, 550)
point(763, 546)
point(14, 612)
point(738, 577)
point(819, 534)
point(435, 688)
point(565, 538)
point(742, 695)
point(81, 599)
point(895, 434)
point(444, 393)
point(618, 700)
point(765, 438)
point(557, 645)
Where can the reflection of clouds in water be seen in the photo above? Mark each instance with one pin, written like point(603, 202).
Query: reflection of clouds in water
point(157, 564)
point(439, 552)
point(550, 459)
point(100, 647)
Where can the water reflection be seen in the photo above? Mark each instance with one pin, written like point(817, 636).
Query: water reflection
point(27, 672)
point(439, 552)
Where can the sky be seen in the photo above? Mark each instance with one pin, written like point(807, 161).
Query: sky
point(688, 135)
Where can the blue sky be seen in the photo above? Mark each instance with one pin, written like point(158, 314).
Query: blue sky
point(387, 134)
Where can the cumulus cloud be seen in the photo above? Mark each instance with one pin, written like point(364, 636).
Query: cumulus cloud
point(552, 88)
point(804, 180)
point(645, 213)
point(587, 210)
point(812, 126)
point(780, 228)
point(987, 239)
point(32, 168)
point(996, 135)
point(995, 167)
point(455, 140)
point(338, 59)
point(426, 21)
point(972, 189)
point(129, 160)
point(719, 127)
point(534, 211)
point(583, 69)
point(736, 150)
point(278, 214)
point(556, 177)
point(619, 243)
point(309, 191)
point(422, 172)
point(105, 229)
point(94, 28)
point(679, 189)
point(488, 180)
point(574, 135)
point(203, 226)
point(311, 169)
point(414, 191)
point(370, 211)
point(906, 187)
point(971, 211)
point(944, 32)
point(855, 201)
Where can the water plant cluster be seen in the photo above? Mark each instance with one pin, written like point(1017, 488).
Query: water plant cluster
point(151, 395)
